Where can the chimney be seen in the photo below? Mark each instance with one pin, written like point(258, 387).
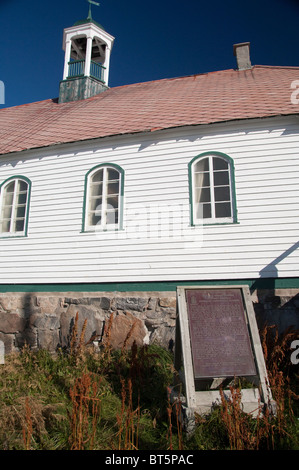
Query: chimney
point(242, 53)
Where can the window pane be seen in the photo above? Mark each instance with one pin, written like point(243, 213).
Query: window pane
point(219, 164)
point(19, 225)
point(112, 174)
point(8, 199)
point(10, 187)
point(202, 165)
point(96, 203)
point(112, 217)
point(20, 211)
point(23, 186)
point(203, 211)
point(22, 198)
point(96, 189)
point(223, 209)
point(222, 193)
point(94, 218)
point(112, 202)
point(201, 179)
point(5, 226)
point(203, 195)
point(221, 178)
point(98, 176)
point(6, 212)
point(113, 188)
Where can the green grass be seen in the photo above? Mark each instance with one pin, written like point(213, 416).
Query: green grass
point(82, 399)
point(46, 381)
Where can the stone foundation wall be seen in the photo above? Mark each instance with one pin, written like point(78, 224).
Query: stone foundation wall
point(278, 307)
point(45, 320)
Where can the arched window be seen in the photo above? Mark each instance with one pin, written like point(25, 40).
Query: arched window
point(103, 198)
point(212, 194)
point(14, 206)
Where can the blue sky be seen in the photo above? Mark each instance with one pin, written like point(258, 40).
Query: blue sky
point(153, 39)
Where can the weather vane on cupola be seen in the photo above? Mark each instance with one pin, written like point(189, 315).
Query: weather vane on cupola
point(89, 11)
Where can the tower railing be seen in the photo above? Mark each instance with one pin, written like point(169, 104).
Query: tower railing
point(97, 71)
point(77, 68)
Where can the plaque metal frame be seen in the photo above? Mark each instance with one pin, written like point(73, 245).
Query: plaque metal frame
point(202, 401)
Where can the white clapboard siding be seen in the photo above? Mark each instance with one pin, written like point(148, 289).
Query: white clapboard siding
point(157, 262)
point(164, 247)
point(148, 255)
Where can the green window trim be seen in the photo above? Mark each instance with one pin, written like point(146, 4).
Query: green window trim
point(24, 232)
point(93, 170)
point(230, 161)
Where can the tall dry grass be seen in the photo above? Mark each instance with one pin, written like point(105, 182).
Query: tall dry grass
point(85, 414)
point(269, 427)
point(130, 377)
point(27, 426)
point(128, 419)
point(174, 411)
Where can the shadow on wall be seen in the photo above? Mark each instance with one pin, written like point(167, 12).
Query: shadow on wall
point(41, 330)
point(48, 319)
point(49, 322)
point(272, 309)
point(25, 336)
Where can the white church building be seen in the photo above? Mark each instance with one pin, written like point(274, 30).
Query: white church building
point(111, 198)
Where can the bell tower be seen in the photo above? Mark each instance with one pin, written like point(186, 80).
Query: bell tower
point(87, 49)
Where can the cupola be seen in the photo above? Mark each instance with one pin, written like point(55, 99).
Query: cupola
point(87, 49)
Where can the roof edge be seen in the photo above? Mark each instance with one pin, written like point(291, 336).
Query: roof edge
point(146, 131)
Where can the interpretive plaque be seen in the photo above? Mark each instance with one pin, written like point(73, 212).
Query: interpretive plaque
point(220, 341)
point(217, 340)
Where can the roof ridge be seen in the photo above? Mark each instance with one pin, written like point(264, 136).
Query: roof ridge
point(160, 80)
point(181, 77)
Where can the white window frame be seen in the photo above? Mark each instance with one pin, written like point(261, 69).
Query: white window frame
point(213, 219)
point(15, 205)
point(103, 225)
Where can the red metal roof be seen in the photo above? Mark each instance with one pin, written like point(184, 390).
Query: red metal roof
point(262, 91)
